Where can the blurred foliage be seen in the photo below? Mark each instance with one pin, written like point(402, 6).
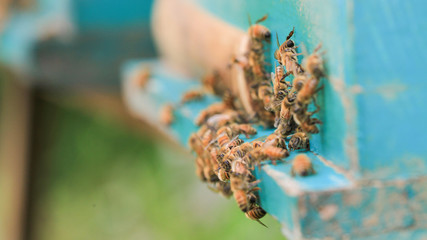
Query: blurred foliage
point(98, 179)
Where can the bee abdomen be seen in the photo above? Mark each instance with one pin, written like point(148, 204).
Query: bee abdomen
point(241, 200)
point(256, 213)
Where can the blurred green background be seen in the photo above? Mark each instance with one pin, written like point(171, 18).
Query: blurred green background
point(95, 177)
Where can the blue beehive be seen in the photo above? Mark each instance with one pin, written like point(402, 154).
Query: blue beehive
point(369, 157)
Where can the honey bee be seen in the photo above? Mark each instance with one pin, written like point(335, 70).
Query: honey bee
point(225, 164)
point(210, 174)
point(223, 175)
point(279, 82)
point(241, 182)
point(199, 170)
point(309, 126)
point(244, 148)
point(234, 143)
point(299, 140)
point(224, 189)
point(223, 139)
point(228, 99)
point(274, 140)
point(212, 83)
point(141, 77)
point(286, 55)
point(245, 129)
point(192, 95)
point(242, 200)
point(256, 213)
point(302, 166)
point(225, 118)
point(307, 91)
point(257, 144)
point(240, 167)
point(275, 153)
point(207, 137)
point(265, 94)
point(259, 32)
point(213, 109)
point(166, 115)
point(285, 112)
point(314, 63)
point(298, 82)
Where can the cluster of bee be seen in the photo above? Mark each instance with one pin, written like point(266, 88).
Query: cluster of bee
point(224, 161)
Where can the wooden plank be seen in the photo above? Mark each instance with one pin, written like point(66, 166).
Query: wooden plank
point(14, 153)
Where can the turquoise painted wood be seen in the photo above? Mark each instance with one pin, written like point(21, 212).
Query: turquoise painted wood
point(331, 203)
point(370, 154)
point(49, 41)
point(373, 99)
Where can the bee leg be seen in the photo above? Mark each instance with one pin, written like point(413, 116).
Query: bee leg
point(312, 170)
point(320, 88)
point(276, 122)
point(316, 105)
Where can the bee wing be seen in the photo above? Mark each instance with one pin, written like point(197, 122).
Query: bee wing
point(261, 139)
point(234, 138)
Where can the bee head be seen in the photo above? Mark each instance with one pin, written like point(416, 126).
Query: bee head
point(289, 43)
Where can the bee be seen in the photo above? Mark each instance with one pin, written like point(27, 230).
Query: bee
point(265, 94)
point(314, 63)
point(246, 129)
point(212, 83)
point(241, 199)
point(279, 82)
point(223, 139)
point(213, 109)
point(223, 175)
point(166, 115)
point(308, 90)
point(240, 167)
point(285, 112)
point(309, 126)
point(257, 144)
point(207, 137)
point(286, 55)
point(234, 143)
point(224, 189)
point(192, 95)
point(193, 142)
point(228, 99)
point(256, 213)
point(299, 140)
point(259, 32)
point(275, 153)
point(199, 170)
point(241, 182)
point(225, 164)
point(274, 140)
point(244, 148)
point(210, 174)
point(298, 83)
point(302, 166)
point(141, 77)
